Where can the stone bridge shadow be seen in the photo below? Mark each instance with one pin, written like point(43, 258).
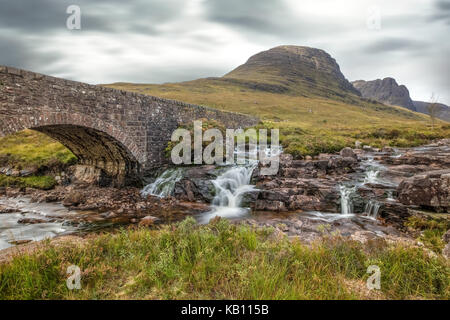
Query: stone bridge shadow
point(122, 133)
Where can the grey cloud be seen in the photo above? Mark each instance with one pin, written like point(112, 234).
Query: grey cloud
point(143, 74)
point(33, 36)
point(260, 15)
point(443, 5)
point(441, 11)
point(23, 22)
point(22, 54)
point(396, 44)
point(46, 16)
point(34, 16)
point(268, 18)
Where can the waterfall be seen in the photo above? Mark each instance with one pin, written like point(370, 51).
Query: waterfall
point(372, 208)
point(390, 196)
point(230, 187)
point(164, 184)
point(346, 201)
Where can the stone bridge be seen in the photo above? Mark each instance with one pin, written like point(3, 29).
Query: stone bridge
point(123, 133)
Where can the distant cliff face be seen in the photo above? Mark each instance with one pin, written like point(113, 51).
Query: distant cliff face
point(442, 110)
point(389, 92)
point(301, 69)
point(386, 91)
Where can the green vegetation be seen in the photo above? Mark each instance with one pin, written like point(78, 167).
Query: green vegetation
point(308, 124)
point(206, 124)
point(314, 109)
point(315, 114)
point(32, 149)
point(222, 261)
point(37, 182)
point(430, 231)
point(327, 141)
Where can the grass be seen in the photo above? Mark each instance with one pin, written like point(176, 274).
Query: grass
point(32, 149)
point(222, 261)
point(431, 231)
point(37, 182)
point(308, 124)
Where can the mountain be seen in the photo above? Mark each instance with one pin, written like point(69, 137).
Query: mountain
point(297, 69)
point(443, 111)
point(302, 92)
point(389, 92)
point(285, 83)
point(386, 91)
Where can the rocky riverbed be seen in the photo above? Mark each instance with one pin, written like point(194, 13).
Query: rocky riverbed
point(31, 215)
point(361, 193)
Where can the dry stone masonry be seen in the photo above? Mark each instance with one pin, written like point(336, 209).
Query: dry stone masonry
point(123, 133)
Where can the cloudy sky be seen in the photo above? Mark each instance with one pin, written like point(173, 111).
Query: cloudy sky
point(156, 41)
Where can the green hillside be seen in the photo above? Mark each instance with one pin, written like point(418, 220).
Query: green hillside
point(299, 90)
point(295, 70)
point(302, 92)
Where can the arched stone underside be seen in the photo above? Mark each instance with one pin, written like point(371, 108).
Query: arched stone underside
point(98, 149)
point(124, 133)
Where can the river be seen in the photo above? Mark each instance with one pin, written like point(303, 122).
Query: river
point(23, 220)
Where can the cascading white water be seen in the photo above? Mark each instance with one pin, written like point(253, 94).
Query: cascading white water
point(346, 201)
point(372, 208)
point(230, 187)
point(164, 184)
point(390, 196)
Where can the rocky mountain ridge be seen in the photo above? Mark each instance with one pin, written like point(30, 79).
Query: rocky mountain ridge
point(296, 68)
point(443, 111)
point(388, 91)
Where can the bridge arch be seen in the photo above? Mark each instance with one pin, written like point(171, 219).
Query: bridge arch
point(93, 141)
point(104, 121)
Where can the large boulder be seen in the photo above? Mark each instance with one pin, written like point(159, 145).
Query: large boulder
point(73, 198)
point(428, 189)
point(341, 165)
point(196, 184)
point(348, 153)
point(83, 174)
point(394, 213)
